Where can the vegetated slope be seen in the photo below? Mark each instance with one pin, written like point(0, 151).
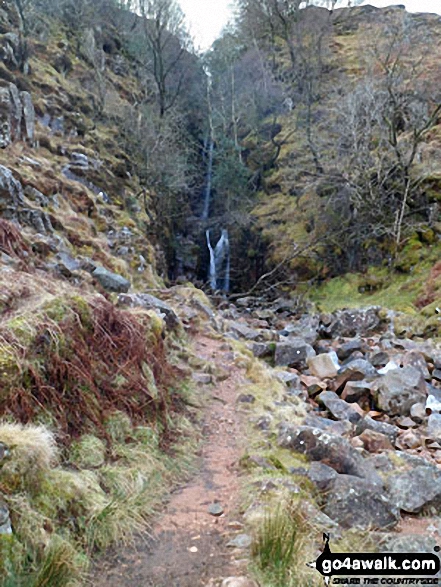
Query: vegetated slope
point(346, 167)
point(92, 395)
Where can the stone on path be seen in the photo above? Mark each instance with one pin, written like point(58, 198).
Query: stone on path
point(215, 509)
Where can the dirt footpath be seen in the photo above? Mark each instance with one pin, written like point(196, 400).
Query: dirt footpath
point(189, 544)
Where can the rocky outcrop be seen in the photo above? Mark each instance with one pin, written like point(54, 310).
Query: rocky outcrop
point(17, 116)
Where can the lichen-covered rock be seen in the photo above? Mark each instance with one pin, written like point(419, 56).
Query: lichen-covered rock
point(357, 503)
point(28, 120)
point(5, 118)
point(416, 489)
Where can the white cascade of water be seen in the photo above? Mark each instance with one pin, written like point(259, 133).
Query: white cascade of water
point(209, 181)
point(219, 273)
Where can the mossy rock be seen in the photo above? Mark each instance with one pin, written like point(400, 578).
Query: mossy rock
point(88, 453)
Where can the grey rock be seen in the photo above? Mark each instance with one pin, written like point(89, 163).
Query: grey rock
point(261, 349)
point(215, 509)
point(28, 120)
point(416, 489)
point(11, 191)
point(322, 366)
point(293, 353)
point(5, 521)
point(380, 359)
point(351, 323)
point(150, 302)
point(406, 543)
point(340, 409)
point(111, 281)
point(358, 366)
point(240, 541)
point(399, 389)
point(35, 195)
point(321, 475)
point(349, 347)
point(5, 118)
point(340, 428)
point(355, 391)
point(79, 160)
point(416, 359)
point(418, 412)
point(16, 114)
point(203, 378)
point(434, 427)
point(305, 328)
point(335, 451)
point(244, 331)
point(368, 423)
point(357, 503)
point(291, 380)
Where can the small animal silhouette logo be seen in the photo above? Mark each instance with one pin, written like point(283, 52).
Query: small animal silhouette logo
point(325, 553)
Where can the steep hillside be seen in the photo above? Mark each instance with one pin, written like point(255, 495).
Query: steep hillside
point(95, 382)
point(341, 146)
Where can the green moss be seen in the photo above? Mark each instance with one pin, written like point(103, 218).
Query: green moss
point(89, 452)
point(118, 426)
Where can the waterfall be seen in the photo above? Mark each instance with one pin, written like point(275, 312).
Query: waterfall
point(219, 274)
point(209, 181)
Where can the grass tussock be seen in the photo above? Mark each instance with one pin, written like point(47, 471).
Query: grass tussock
point(277, 544)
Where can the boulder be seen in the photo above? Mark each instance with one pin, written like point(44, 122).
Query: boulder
point(322, 366)
point(359, 366)
point(243, 331)
point(368, 423)
point(293, 353)
point(399, 390)
point(340, 428)
point(416, 489)
point(351, 323)
point(321, 475)
point(434, 427)
point(355, 391)
point(261, 349)
point(349, 347)
point(305, 328)
point(150, 302)
point(416, 359)
point(357, 503)
point(291, 380)
point(334, 451)
point(338, 407)
point(111, 281)
point(375, 441)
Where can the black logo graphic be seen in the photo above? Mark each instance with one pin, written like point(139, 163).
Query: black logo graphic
point(374, 564)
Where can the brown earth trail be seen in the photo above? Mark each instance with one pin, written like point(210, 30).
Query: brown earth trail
point(188, 545)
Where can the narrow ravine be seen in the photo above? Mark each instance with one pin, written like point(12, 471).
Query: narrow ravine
point(189, 545)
